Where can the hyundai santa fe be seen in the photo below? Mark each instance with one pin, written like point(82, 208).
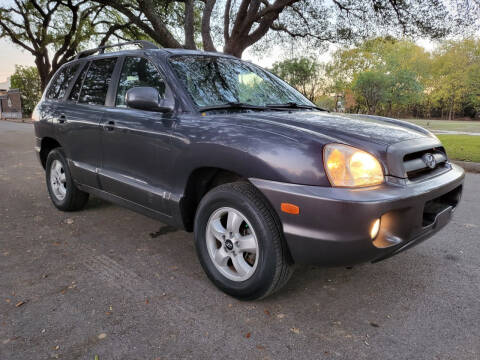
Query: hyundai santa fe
point(265, 179)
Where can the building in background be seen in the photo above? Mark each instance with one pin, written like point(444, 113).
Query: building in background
point(10, 104)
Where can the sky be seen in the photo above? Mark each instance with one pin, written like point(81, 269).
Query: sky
point(10, 55)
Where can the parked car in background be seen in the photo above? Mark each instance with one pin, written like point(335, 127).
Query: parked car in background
point(265, 179)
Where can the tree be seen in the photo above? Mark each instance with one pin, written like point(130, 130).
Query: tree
point(371, 88)
point(243, 23)
point(27, 80)
point(454, 86)
point(54, 30)
point(302, 73)
point(404, 65)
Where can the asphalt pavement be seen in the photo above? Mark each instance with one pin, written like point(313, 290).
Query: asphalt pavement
point(111, 283)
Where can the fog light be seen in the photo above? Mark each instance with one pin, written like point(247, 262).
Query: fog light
point(375, 228)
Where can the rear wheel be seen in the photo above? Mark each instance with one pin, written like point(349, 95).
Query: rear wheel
point(61, 188)
point(239, 242)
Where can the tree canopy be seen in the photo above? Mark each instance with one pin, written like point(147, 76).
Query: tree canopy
point(27, 80)
point(236, 25)
point(394, 77)
point(53, 31)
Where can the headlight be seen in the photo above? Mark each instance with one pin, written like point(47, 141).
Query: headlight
point(347, 166)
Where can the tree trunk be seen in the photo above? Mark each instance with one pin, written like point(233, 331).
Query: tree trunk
point(43, 72)
point(189, 26)
point(206, 33)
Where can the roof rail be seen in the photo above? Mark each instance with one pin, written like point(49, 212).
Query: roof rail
point(144, 44)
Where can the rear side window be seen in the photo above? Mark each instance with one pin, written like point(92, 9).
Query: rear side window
point(75, 93)
point(62, 80)
point(137, 71)
point(94, 84)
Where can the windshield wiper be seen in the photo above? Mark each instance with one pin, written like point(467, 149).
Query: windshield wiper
point(294, 105)
point(233, 105)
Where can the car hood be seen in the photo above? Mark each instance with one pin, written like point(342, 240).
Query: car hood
point(344, 127)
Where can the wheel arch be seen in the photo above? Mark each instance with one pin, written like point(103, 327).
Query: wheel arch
point(47, 145)
point(199, 182)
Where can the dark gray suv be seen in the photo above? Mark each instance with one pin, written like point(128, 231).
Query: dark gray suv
point(265, 179)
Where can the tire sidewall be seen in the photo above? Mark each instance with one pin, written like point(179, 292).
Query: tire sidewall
point(57, 154)
point(264, 274)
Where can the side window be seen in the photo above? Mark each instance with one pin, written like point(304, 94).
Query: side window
point(75, 93)
point(136, 72)
point(96, 82)
point(62, 80)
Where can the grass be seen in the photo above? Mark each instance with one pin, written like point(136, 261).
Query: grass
point(447, 125)
point(462, 147)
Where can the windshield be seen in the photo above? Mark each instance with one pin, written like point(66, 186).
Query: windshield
point(216, 80)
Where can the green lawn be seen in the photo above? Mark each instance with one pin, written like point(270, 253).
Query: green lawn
point(463, 126)
point(462, 147)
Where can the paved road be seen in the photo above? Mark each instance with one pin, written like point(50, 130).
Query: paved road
point(112, 283)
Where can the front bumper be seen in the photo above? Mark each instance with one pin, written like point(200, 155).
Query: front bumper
point(333, 226)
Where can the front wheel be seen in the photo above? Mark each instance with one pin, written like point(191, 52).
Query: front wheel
point(239, 242)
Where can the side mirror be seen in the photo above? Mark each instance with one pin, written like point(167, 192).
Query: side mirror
point(147, 98)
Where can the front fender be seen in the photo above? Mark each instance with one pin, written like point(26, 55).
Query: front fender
point(245, 150)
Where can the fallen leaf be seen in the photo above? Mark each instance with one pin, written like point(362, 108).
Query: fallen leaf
point(248, 335)
point(266, 312)
point(20, 303)
point(295, 330)
point(146, 301)
point(102, 336)
point(7, 300)
point(57, 347)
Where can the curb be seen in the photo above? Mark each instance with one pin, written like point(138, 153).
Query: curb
point(472, 167)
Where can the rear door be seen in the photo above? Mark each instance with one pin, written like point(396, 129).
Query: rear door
point(136, 143)
point(48, 109)
point(80, 119)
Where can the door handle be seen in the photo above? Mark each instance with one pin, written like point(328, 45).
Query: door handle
point(62, 119)
point(109, 126)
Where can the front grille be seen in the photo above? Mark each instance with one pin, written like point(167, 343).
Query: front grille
point(416, 167)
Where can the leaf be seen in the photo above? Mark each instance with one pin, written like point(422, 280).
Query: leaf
point(248, 335)
point(295, 330)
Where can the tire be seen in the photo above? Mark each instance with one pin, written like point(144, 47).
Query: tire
point(241, 206)
point(61, 188)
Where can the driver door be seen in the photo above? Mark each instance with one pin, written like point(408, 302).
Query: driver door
point(136, 151)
